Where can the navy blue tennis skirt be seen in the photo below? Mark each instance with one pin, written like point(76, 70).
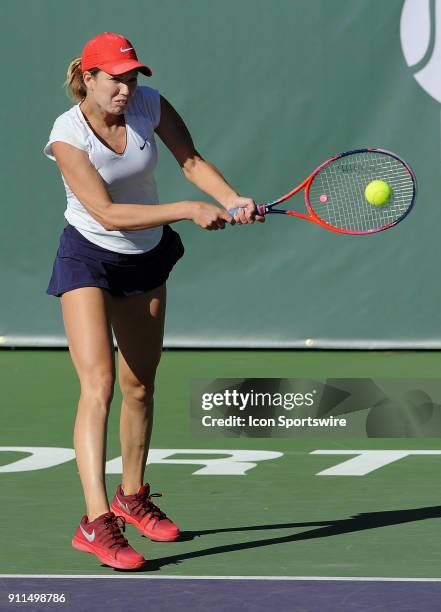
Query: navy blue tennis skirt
point(81, 263)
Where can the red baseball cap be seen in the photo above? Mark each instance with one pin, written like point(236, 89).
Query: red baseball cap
point(112, 53)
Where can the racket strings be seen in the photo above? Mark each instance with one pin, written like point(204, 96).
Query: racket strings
point(337, 191)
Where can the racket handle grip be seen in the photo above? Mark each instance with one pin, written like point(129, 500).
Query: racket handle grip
point(260, 210)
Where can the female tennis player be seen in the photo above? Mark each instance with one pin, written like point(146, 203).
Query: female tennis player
point(110, 271)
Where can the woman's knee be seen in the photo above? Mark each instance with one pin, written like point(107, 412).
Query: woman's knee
point(98, 387)
point(135, 390)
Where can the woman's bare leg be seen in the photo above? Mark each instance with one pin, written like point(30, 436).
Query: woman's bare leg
point(86, 318)
point(138, 323)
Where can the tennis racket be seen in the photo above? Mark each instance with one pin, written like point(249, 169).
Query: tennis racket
point(335, 193)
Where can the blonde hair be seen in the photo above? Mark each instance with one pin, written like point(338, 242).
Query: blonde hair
point(74, 83)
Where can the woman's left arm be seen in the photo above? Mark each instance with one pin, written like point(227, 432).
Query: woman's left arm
point(175, 135)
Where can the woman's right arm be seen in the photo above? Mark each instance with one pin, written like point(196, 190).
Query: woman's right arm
point(88, 186)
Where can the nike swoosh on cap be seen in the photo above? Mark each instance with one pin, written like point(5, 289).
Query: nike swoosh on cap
point(123, 506)
point(88, 536)
point(124, 50)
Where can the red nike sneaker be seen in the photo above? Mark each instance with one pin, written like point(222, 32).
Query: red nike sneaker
point(139, 510)
point(103, 538)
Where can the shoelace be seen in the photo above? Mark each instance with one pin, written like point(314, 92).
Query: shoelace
point(113, 525)
point(145, 506)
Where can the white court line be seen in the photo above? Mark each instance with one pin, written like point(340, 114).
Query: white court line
point(293, 578)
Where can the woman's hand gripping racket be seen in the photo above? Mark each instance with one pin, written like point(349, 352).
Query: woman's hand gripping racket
point(357, 192)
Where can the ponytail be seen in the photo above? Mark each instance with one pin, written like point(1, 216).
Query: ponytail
point(74, 84)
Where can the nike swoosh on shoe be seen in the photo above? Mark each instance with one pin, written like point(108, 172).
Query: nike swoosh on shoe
point(89, 536)
point(123, 506)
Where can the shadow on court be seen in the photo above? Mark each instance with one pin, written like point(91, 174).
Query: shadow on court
point(324, 529)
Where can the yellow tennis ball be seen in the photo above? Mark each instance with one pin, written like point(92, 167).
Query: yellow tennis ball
point(378, 193)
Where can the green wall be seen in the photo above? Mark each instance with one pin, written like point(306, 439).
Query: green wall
point(268, 91)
